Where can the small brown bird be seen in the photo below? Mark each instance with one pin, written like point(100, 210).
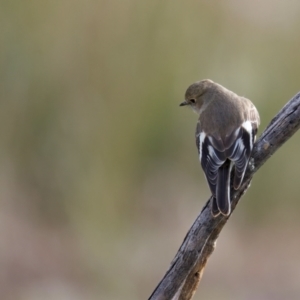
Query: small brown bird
point(225, 134)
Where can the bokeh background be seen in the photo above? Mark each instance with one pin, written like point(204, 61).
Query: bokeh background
point(99, 177)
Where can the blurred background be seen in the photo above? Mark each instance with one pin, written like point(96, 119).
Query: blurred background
point(99, 177)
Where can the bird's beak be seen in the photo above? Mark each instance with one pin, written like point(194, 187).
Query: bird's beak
point(183, 103)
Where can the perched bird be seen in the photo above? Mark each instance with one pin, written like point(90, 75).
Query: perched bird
point(225, 134)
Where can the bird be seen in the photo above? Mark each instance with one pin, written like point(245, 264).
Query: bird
point(225, 134)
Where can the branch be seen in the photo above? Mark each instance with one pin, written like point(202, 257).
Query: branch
point(183, 277)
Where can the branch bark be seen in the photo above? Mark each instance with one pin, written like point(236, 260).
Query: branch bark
point(186, 269)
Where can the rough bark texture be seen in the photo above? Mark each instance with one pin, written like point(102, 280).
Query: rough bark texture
point(186, 269)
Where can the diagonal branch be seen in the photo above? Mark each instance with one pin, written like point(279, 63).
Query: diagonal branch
point(182, 278)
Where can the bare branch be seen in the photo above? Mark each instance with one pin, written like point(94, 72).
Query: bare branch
point(183, 277)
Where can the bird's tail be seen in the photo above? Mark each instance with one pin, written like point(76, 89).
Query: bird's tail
point(223, 189)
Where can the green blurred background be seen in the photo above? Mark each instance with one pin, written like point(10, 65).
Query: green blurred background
point(99, 178)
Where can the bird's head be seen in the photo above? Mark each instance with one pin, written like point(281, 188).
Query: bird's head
point(194, 95)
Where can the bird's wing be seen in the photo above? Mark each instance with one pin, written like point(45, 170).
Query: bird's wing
point(239, 146)
point(210, 156)
point(239, 152)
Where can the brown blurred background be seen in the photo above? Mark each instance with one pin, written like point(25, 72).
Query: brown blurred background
point(99, 177)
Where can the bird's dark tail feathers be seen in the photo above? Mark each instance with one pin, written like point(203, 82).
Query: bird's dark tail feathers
point(222, 199)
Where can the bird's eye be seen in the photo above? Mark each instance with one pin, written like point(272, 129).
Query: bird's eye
point(193, 101)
